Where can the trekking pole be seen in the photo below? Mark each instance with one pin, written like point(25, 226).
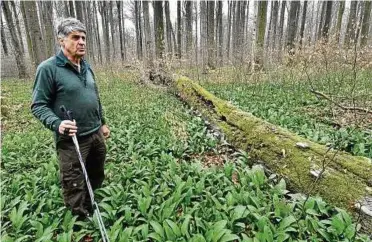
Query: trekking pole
point(68, 115)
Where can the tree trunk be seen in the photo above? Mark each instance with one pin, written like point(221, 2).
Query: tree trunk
point(261, 23)
point(345, 179)
point(3, 39)
point(48, 26)
point(210, 33)
point(341, 10)
point(188, 10)
point(19, 33)
point(96, 29)
point(112, 28)
point(275, 23)
point(106, 34)
point(322, 17)
point(19, 55)
point(179, 28)
point(147, 32)
point(281, 25)
point(303, 23)
point(229, 21)
point(292, 26)
point(220, 32)
point(169, 27)
point(365, 23)
point(72, 9)
point(138, 30)
point(28, 35)
point(159, 29)
point(66, 8)
point(327, 22)
point(121, 35)
point(352, 24)
point(79, 11)
point(35, 33)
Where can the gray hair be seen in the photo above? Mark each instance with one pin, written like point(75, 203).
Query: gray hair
point(68, 25)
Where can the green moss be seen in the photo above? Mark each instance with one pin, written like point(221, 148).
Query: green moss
point(345, 177)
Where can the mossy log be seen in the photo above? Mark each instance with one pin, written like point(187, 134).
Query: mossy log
point(338, 177)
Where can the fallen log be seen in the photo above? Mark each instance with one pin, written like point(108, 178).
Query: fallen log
point(338, 177)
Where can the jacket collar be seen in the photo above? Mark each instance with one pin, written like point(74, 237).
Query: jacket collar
point(63, 61)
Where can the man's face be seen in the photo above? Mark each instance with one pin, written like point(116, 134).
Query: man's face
point(74, 44)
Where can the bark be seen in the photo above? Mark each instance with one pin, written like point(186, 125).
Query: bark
point(179, 29)
point(188, 8)
point(275, 22)
point(48, 26)
point(341, 10)
point(352, 24)
point(19, 33)
point(322, 17)
point(3, 39)
point(35, 33)
point(303, 23)
point(327, 21)
point(229, 21)
point(281, 24)
point(138, 30)
point(168, 24)
point(281, 153)
point(261, 23)
point(292, 25)
point(121, 35)
point(106, 34)
point(66, 8)
point(220, 32)
point(97, 35)
point(210, 34)
point(112, 28)
point(87, 11)
point(147, 32)
point(366, 22)
point(19, 55)
point(28, 35)
point(72, 9)
point(79, 11)
point(159, 29)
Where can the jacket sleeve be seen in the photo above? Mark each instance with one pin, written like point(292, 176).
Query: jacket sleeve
point(42, 98)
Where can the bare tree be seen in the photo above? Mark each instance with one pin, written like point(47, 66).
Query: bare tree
point(35, 33)
point(121, 32)
point(179, 29)
point(352, 23)
point(79, 11)
point(275, 22)
point(137, 13)
point(210, 34)
point(47, 15)
point(71, 8)
point(19, 33)
point(327, 22)
point(147, 32)
point(220, 32)
point(169, 31)
point(281, 24)
point(17, 50)
point(97, 35)
point(292, 25)
point(366, 22)
point(303, 22)
point(159, 29)
point(341, 10)
point(3, 39)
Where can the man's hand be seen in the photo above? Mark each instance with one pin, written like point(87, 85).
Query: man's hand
point(105, 131)
point(67, 127)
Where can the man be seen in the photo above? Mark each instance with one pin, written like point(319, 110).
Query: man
point(67, 79)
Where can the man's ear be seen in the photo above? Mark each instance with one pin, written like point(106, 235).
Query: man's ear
point(61, 43)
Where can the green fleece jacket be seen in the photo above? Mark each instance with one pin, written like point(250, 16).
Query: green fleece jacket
point(57, 83)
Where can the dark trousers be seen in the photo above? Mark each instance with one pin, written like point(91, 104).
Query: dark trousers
point(75, 192)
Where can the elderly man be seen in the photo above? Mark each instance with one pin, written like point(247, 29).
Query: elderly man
point(67, 79)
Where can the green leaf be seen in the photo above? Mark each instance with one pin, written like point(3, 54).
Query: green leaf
point(185, 226)
point(176, 230)
point(158, 228)
point(229, 237)
point(155, 236)
point(286, 222)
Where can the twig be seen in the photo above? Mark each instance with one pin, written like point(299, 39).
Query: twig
point(339, 105)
